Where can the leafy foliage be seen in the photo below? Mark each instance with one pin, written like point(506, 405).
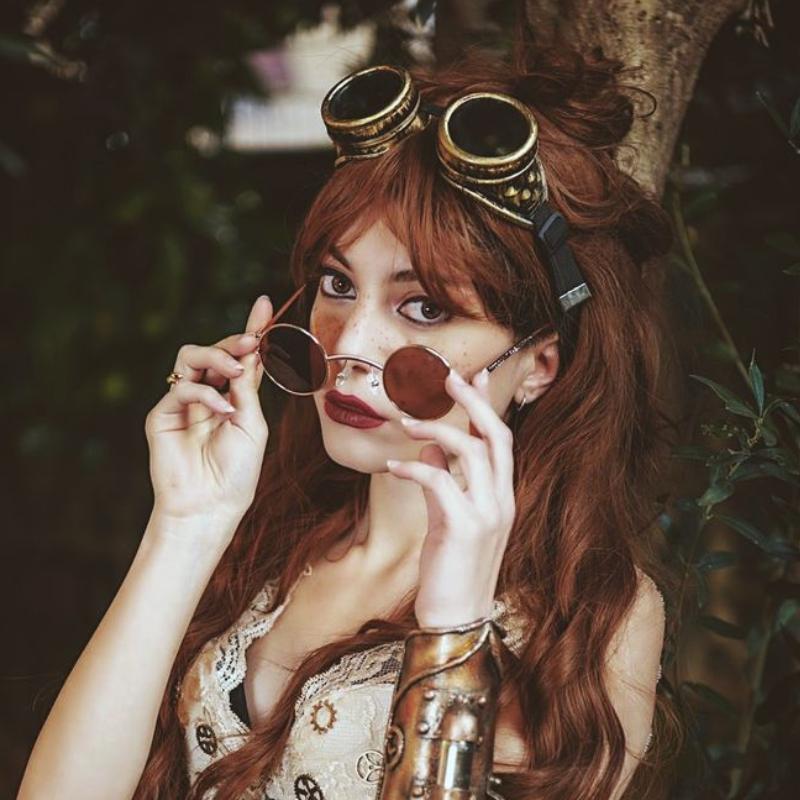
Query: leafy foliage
point(739, 537)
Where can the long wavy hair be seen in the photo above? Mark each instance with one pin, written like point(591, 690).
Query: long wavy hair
point(589, 453)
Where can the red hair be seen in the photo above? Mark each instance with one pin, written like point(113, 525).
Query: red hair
point(588, 453)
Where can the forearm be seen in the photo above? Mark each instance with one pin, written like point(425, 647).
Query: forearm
point(95, 741)
point(440, 737)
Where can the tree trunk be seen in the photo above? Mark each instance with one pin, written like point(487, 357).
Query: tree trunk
point(664, 40)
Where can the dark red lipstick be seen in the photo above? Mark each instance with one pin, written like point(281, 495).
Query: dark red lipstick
point(347, 409)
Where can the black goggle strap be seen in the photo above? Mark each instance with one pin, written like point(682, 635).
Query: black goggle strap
point(552, 231)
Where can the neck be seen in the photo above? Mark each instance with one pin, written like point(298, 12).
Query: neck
point(391, 534)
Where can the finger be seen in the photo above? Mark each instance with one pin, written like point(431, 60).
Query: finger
point(244, 387)
point(185, 393)
point(486, 421)
point(471, 451)
point(214, 378)
point(194, 360)
point(437, 484)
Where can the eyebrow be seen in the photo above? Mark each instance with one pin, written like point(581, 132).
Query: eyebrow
point(401, 276)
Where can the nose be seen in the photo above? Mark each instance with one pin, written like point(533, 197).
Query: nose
point(360, 336)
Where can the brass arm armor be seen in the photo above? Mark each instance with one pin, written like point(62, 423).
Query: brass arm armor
point(440, 739)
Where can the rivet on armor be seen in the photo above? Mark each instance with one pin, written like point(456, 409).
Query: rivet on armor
point(423, 727)
point(430, 694)
point(394, 746)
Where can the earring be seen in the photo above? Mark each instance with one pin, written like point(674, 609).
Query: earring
point(522, 403)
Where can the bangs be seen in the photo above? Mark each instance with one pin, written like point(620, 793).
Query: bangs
point(449, 237)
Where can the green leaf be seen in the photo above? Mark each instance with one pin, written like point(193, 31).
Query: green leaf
point(712, 696)
point(780, 455)
point(716, 559)
point(716, 493)
point(773, 547)
point(766, 469)
point(789, 410)
point(786, 612)
point(756, 382)
point(769, 434)
point(721, 626)
point(733, 403)
point(691, 452)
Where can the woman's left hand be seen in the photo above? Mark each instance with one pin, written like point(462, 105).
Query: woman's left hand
point(468, 528)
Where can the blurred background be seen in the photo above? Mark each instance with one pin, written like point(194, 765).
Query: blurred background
point(155, 162)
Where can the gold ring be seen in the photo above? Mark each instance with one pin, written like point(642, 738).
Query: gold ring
point(173, 377)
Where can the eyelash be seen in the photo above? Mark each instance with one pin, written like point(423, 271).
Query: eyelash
point(330, 272)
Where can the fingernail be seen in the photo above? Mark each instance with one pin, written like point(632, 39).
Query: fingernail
point(483, 376)
point(239, 366)
point(228, 407)
point(410, 421)
point(457, 378)
point(391, 463)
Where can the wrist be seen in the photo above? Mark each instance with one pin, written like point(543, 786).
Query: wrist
point(208, 533)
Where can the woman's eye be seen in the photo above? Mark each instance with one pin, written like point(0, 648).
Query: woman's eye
point(424, 310)
point(336, 284)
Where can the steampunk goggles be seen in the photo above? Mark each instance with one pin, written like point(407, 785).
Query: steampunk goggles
point(487, 146)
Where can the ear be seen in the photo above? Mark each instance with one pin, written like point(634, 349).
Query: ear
point(539, 369)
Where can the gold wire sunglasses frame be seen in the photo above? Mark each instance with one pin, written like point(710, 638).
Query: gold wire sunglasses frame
point(413, 376)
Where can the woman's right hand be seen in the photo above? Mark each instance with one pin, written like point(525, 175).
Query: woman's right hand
point(204, 459)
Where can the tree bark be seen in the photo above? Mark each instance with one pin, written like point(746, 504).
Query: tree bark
point(664, 40)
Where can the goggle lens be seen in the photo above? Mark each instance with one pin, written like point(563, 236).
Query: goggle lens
point(413, 377)
point(488, 128)
point(366, 95)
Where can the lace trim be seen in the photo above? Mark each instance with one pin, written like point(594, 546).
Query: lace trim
point(231, 665)
point(382, 664)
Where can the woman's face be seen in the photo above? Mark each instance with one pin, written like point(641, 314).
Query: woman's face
point(369, 303)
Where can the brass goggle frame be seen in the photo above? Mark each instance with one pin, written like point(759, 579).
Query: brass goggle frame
point(370, 110)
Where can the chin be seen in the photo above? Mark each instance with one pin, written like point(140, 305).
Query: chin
point(365, 450)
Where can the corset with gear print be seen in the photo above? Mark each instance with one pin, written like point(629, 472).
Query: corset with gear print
point(335, 747)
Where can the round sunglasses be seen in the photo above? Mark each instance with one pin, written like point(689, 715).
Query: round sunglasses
point(413, 376)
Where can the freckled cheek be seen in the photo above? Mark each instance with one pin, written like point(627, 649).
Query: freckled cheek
point(327, 328)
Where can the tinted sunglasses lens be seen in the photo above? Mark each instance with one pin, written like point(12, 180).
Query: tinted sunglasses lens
point(366, 95)
point(487, 127)
point(293, 360)
point(413, 378)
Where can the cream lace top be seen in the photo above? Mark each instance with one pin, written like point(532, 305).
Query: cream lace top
point(335, 748)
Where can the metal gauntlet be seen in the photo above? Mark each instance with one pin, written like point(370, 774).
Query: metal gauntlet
point(440, 740)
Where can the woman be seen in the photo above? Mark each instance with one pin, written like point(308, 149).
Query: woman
point(256, 645)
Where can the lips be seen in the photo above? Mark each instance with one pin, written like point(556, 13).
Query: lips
point(353, 403)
